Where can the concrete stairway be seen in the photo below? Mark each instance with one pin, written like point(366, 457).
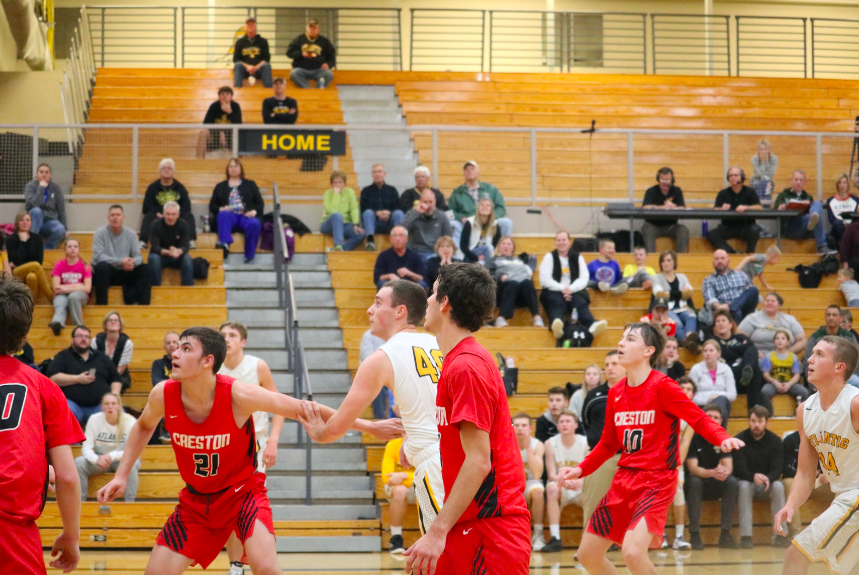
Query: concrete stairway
point(341, 488)
point(378, 105)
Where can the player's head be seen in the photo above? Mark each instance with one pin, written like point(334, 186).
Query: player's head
point(714, 412)
point(758, 417)
point(397, 304)
point(688, 386)
point(832, 359)
point(640, 342)
point(464, 294)
point(614, 372)
point(236, 336)
point(568, 423)
point(16, 313)
point(201, 351)
point(522, 425)
point(557, 400)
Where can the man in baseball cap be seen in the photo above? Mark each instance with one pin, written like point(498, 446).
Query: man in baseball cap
point(463, 201)
point(659, 316)
point(251, 57)
point(313, 57)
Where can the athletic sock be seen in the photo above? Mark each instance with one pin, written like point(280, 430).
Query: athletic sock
point(679, 530)
point(238, 564)
point(538, 528)
point(396, 530)
point(555, 531)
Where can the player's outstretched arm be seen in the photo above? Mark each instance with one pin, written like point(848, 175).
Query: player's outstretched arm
point(316, 415)
point(675, 403)
point(806, 473)
point(138, 438)
point(69, 504)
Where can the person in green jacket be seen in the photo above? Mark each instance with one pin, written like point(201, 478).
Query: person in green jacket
point(340, 215)
point(463, 201)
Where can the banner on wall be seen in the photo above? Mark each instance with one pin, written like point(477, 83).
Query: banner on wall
point(292, 142)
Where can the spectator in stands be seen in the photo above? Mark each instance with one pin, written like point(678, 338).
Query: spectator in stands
point(398, 483)
point(727, 289)
point(831, 326)
point(237, 205)
point(411, 198)
point(116, 345)
point(781, 371)
point(224, 111)
point(84, 374)
point(664, 196)
point(166, 189)
point(604, 272)
point(480, 233)
point(532, 451)
point(399, 262)
point(761, 325)
point(445, 250)
point(669, 362)
point(843, 202)
point(251, 57)
point(740, 198)
point(710, 478)
point(427, 224)
point(72, 283)
point(740, 354)
point(592, 378)
point(313, 57)
point(45, 202)
point(170, 244)
point(678, 291)
point(764, 164)
point(117, 260)
point(106, 434)
point(547, 424)
point(25, 355)
point(340, 214)
point(463, 201)
point(849, 249)
point(805, 226)
point(564, 279)
point(847, 323)
point(714, 380)
point(26, 257)
point(659, 317)
point(638, 274)
point(757, 467)
point(380, 207)
point(381, 405)
point(515, 281)
point(566, 449)
point(4, 257)
point(848, 286)
point(753, 265)
point(280, 108)
point(162, 368)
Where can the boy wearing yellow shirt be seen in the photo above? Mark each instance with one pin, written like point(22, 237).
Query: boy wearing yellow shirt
point(399, 489)
point(638, 274)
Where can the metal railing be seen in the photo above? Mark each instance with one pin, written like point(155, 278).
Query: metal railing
point(833, 44)
point(772, 46)
point(294, 349)
point(78, 81)
point(691, 44)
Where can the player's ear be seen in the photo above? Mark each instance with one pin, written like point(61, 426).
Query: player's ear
point(208, 361)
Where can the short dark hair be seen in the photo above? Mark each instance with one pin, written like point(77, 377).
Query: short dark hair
point(727, 314)
point(777, 297)
point(225, 90)
point(557, 390)
point(115, 207)
point(77, 327)
point(212, 342)
point(833, 306)
point(471, 292)
point(568, 413)
point(411, 295)
point(664, 255)
point(652, 336)
point(686, 380)
point(845, 352)
point(239, 327)
point(712, 407)
point(611, 353)
point(665, 171)
point(522, 415)
point(759, 411)
point(16, 313)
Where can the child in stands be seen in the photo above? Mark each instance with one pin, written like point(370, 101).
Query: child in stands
point(849, 287)
point(639, 274)
point(605, 271)
point(781, 371)
point(754, 265)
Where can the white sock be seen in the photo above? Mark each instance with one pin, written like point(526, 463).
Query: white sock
point(555, 531)
point(679, 530)
point(538, 528)
point(396, 530)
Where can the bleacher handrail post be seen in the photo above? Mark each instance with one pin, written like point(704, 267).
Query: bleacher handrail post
point(35, 150)
point(533, 167)
point(819, 145)
point(435, 155)
point(630, 165)
point(135, 160)
point(726, 156)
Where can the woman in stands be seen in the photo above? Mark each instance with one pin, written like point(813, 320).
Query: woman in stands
point(237, 205)
point(445, 250)
point(714, 380)
point(116, 345)
point(26, 255)
point(761, 326)
point(340, 214)
point(72, 283)
point(843, 202)
point(480, 233)
point(106, 434)
point(740, 354)
point(514, 279)
point(678, 291)
point(764, 164)
point(593, 377)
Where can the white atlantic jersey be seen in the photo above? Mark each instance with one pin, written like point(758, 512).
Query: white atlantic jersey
point(568, 456)
point(247, 372)
point(417, 361)
point(832, 435)
point(528, 475)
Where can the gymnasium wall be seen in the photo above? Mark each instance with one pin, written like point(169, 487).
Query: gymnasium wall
point(8, 49)
point(31, 97)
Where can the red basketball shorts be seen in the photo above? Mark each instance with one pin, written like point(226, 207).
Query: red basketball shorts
point(635, 494)
point(492, 546)
point(21, 550)
point(201, 525)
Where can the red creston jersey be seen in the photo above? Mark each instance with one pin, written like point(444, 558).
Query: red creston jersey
point(470, 389)
point(34, 417)
point(216, 454)
point(644, 421)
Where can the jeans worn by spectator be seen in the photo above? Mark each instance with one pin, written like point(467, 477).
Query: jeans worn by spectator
point(373, 225)
point(344, 234)
point(700, 489)
point(82, 414)
point(136, 284)
point(679, 232)
point(687, 322)
point(797, 228)
point(263, 73)
point(300, 76)
point(748, 492)
point(72, 303)
point(229, 222)
point(87, 470)
point(53, 230)
point(184, 263)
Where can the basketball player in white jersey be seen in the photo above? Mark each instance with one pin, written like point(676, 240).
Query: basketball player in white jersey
point(567, 449)
point(252, 370)
point(531, 450)
point(409, 363)
point(828, 426)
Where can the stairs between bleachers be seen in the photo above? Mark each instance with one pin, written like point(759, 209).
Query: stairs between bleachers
point(341, 488)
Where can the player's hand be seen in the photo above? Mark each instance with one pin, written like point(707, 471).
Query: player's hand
point(104, 461)
point(388, 429)
point(761, 479)
point(422, 557)
point(731, 444)
point(311, 418)
point(52, 480)
point(112, 490)
point(784, 515)
point(397, 478)
point(269, 454)
point(69, 553)
point(575, 484)
point(568, 474)
point(721, 473)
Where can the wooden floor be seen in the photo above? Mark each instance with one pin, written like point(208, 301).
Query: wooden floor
point(763, 560)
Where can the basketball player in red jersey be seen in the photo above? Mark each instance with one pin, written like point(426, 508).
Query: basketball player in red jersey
point(209, 418)
point(484, 525)
point(643, 418)
point(36, 427)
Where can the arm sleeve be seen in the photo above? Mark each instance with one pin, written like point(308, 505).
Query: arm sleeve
point(464, 241)
point(209, 118)
point(127, 353)
point(648, 198)
point(675, 402)
point(446, 228)
point(440, 203)
point(135, 248)
point(61, 427)
point(184, 239)
point(155, 237)
point(741, 466)
point(454, 205)
point(236, 52)
point(730, 383)
point(184, 199)
point(353, 210)
point(378, 268)
point(237, 112)
point(776, 458)
point(409, 219)
point(294, 49)
point(546, 279)
point(38, 249)
point(329, 54)
point(498, 200)
point(582, 281)
point(61, 207)
point(608, 444)
point(364, 202)
point(89, 443)
point(678, 199)
point(780, 199)
point(149, 199)
point(470, 396)
point(32, 195)
point(214, 201)
point(708, 291)
point(113, 375)
point(258, 201)
point(720, 199)
point(99, 245)
point(766, 364)
point(266, 112)
point(155, 374)
point(265, 52)
point(420, 267)
point(796, 367)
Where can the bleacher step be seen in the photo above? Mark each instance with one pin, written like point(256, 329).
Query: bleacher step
point(253, 316)
point(335, 544)
point(327, 459)
point(323, 512)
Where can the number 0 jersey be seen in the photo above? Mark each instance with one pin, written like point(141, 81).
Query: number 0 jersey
point(833, 436)
point(417, 361)
point(216, 454)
